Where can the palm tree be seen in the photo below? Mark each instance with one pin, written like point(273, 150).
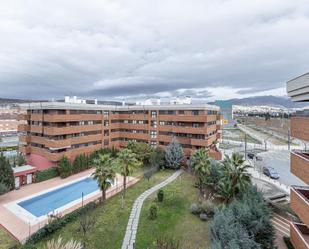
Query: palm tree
point(201, 165)
point(225, 190)
point(127, 162)
point(235, 171)
point(104, 173)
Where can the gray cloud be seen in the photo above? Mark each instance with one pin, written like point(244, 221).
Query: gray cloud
point(105, 48)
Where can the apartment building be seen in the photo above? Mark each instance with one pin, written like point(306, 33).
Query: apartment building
point(298, 90)
point(57, 129)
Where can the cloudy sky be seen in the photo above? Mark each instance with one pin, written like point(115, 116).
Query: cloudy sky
point(114, 49)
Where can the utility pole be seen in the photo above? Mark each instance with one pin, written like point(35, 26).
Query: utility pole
point(246, 146)
point(289, 139)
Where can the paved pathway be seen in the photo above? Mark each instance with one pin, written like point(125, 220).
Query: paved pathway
point(129, 238)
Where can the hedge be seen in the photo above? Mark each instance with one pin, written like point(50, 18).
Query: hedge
point(58, 223)
point(46, 174)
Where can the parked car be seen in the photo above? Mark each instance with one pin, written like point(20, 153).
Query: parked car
point(251, 155)
point(270, 172)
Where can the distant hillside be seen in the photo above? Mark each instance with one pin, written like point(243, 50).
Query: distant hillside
point(6, 101)
point(262, 100)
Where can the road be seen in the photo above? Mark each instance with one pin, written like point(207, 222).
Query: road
point(280, 161)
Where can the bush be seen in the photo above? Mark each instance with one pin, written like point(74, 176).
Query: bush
point(46, 174)
point(195, 209)
point(160, 195)
point(208, 208)
point(245, 223)
point(288, 242)
point(153, 212)
point(65, 167)
point(58, 223)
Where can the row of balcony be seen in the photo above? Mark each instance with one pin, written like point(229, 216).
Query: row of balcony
point(299, 126)
point(300, 164)
point(63, 143)
point(54, 157)
point(81, 117)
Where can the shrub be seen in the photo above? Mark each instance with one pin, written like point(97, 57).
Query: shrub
point(58, 223)
point(46, 174)
point(153, 212)
point(160, 195)
point(195, 209)
point(208, 208)
point(6, 176)
point(174, 155)
point(65, 167)
point(288, 242)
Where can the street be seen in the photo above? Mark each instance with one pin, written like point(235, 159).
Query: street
point(280, 161)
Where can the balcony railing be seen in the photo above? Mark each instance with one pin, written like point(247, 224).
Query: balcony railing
point(300, 164)
point(300, 236)
point(300, 125)
point(300, 202)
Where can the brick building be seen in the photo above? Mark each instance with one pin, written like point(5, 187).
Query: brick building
point(55, 129)
point(298, 90)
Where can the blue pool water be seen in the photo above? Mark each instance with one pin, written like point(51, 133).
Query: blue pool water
point(45, 203)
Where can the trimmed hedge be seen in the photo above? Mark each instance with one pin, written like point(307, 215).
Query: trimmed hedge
point(46, 174)
point(58, 223)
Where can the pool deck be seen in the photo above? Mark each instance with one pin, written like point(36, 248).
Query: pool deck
point(19, 228)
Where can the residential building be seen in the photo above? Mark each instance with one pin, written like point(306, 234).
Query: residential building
point(57, 129)
point(298, 90)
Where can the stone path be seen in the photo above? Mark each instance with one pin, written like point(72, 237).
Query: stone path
point(129, 238)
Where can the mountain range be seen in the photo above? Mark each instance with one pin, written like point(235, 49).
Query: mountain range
point(283, 102)
point(251, 101)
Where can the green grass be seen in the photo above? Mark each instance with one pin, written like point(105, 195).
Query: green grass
point(174, 218)
point(111, 219)
point(6, 241)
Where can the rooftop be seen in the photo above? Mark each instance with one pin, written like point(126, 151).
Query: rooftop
point(82, 106)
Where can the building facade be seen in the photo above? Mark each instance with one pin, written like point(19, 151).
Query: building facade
point(298, 90)
point(55, 129)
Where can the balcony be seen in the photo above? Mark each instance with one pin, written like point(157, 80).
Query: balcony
point(187, 118)
point(300, 202)
point(71, 129)
point(299, 236)
point(24, 139)
point(71, 117)
point(24, 150)
point(184, 129)
point(23, 128)
point(300, 125)
point(300, 164)
point(23, 117)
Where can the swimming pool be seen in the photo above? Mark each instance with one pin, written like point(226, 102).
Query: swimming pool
point(48, 202)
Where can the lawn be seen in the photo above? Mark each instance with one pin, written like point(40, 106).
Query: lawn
point(111, 219)
point(174, 218)
point(6, 241)
point(237, 135)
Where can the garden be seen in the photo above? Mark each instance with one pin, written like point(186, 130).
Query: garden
point(211, 205)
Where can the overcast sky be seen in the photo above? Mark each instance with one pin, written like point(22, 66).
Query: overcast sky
point(209, 49)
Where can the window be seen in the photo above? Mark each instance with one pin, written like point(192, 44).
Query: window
point(106, 123)
point(153, 134)
point(154, 124)
point(106, 113)
point(153, 114)
point(194, 113)
point(181, 112)
point(153, 144)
